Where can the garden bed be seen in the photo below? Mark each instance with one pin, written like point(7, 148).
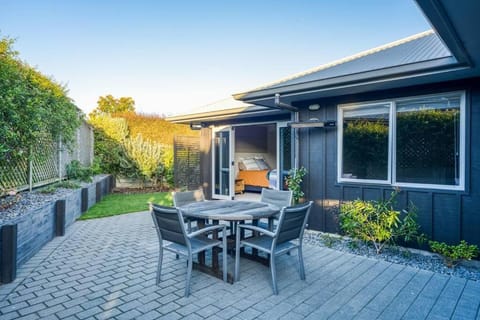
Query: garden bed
point(36, 218)
point(410, 257)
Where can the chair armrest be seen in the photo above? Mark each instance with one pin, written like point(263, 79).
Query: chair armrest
point(207, 229)
point(254, 228)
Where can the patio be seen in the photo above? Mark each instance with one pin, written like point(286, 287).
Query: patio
point(105, 268)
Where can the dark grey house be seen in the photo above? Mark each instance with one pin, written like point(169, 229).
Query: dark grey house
point(405, 115)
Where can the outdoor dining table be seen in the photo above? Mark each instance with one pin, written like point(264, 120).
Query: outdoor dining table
point(227, 210)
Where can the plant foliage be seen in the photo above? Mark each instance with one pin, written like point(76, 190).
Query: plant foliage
point(378, 222)
point(454, 253)
point(76, 171)
point(294, 182)
point(32, 105)
point(108, 105)
point(136, 146)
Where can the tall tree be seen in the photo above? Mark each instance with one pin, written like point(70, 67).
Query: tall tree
point(108, 104)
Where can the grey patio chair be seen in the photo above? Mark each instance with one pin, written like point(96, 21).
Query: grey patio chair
point(291, 226)
point(181, 198)
point(174, 238)
point(278, 198)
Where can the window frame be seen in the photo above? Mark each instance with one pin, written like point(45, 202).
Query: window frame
point(392, 148)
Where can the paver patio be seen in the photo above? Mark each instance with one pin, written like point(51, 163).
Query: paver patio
point(105, 269)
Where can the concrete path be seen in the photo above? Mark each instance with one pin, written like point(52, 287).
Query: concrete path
point(105, 269)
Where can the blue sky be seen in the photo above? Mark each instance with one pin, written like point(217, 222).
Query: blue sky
point(172, 56)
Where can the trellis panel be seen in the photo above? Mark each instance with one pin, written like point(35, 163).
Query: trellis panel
point(186, 153)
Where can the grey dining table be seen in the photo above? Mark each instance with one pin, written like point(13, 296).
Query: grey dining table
point(227, 210)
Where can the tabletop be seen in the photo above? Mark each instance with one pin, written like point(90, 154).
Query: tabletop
point(229, 210)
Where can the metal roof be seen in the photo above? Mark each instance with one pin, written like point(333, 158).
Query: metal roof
point(225, 108)
point(425, 46)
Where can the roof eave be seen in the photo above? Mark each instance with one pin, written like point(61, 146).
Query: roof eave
point(223, 114)
point(387, 74)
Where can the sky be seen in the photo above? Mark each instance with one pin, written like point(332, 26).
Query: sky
point(177, 55)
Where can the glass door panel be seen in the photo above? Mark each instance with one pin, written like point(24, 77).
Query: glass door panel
point(222, 164)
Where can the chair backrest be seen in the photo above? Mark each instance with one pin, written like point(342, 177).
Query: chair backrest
point(169, 224)
point(292, 222)
point(279, 198)
point(186, 197)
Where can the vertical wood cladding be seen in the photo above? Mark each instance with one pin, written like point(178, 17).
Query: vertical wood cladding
point(444, 215)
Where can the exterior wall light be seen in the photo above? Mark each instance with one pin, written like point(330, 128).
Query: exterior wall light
point(196, 126)
point(314, 107)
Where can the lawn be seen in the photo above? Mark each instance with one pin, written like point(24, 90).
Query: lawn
point(115, 204)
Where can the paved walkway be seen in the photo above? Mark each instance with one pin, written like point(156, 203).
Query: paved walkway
point(105, 269)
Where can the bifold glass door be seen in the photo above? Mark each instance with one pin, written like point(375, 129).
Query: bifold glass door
point(223, 180)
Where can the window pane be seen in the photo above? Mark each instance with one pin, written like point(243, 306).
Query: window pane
point(428, 140)
point(365, 143)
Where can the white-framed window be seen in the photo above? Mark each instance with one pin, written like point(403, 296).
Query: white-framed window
point(412, 142)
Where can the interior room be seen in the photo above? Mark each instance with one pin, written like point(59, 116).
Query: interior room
point(255, 158)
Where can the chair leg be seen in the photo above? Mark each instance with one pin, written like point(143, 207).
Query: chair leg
point(189, 275)
point(237, 256)
point(159, 268)
point(274, 274)
point(224, 240)
point(300, 260)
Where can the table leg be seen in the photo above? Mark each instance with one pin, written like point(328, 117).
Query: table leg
point(255, 234)
point(215, 250)
point(201, 255)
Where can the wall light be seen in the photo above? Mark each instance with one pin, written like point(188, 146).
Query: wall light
point(314, 107)
point(196, 126)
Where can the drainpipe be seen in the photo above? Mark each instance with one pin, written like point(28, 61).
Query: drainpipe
point(296, 141)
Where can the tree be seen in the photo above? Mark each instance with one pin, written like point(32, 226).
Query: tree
point(108, 105)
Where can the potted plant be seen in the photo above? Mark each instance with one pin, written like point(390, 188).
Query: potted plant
point(294, 183)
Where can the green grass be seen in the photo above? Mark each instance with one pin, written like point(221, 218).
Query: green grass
point(115, 204)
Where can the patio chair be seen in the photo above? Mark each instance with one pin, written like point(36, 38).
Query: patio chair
point(174, 238)
point(278, 198)
point(291, 226)
point(182, 198)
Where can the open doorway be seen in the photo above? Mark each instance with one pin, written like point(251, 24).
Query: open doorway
point(247, 158)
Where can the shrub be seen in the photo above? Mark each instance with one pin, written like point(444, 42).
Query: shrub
point(76, 171)
point(453, 254)
point(146, 154)
point(378, 222)
point(32, 106)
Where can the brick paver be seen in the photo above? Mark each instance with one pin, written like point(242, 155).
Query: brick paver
point(105, 269)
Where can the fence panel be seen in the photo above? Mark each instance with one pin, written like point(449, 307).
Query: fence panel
point(186, 155)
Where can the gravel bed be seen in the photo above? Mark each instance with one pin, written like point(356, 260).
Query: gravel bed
point(410, 257)
point(30, 200)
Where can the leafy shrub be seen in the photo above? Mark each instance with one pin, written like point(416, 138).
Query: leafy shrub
point(32, 105)
point(114, 128)
point(453, 254)
point(378, 222)
point(294, 182)
point(146, 154)
point(76, 171)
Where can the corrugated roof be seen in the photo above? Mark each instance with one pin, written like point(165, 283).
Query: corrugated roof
point(224, 104)
point(421, 47)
